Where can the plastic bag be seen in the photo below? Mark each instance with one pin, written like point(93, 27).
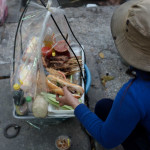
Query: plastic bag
point(26, 66)
point(3, 11)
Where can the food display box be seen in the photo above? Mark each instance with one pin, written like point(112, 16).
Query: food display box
point(38, 40)
point(54, 113)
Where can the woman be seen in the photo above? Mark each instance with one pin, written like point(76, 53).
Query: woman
point(125, 121)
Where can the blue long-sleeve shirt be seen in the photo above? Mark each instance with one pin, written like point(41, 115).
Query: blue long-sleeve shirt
point(131, 105)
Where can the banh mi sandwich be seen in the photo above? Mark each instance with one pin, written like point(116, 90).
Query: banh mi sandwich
point(56, 84)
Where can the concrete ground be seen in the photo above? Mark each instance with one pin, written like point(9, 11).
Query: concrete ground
point(92, 28)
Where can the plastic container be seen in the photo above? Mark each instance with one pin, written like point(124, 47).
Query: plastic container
point(53, 112)
point(60, 114)
point(22, 110)
point(29, 103)
point(63, 142)
point(19, 100)
point(76, 77)
point(18, 95)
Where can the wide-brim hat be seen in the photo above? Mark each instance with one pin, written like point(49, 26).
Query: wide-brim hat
point(130, 27)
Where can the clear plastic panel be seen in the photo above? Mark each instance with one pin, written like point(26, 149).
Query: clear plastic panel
point(36, 32)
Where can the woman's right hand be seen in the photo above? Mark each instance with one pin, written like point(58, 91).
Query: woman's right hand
point(67, 99)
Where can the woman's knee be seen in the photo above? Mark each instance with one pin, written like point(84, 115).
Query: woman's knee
point(102, 108)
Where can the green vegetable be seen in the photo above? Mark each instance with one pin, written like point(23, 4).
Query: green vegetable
point(51, 98)
point(71, 79)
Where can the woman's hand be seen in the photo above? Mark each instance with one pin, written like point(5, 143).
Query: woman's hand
point(67, 99)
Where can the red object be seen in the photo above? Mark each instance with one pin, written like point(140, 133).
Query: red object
point(61, 46)
point(46, 52)
point(3, 11)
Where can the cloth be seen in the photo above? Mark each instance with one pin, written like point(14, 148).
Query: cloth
point(131, 106)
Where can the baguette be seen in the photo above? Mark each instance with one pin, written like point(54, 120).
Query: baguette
point(30, 52)
point(56, 84)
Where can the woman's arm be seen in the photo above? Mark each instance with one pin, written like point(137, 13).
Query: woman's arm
point(120, 122)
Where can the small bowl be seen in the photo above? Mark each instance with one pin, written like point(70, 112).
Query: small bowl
point(63, 142)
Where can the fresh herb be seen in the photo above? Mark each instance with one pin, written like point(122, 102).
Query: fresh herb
point(51, 98)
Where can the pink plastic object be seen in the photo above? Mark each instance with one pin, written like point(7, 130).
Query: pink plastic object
point(3, 11)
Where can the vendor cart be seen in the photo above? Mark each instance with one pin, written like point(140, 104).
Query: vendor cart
point(30, 70)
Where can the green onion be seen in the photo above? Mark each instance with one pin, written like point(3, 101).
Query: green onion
point(71, 78)
point(51, 98)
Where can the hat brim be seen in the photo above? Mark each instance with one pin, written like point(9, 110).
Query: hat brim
point(127, 51)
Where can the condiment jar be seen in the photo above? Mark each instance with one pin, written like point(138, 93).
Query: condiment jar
point(19, 100)
point(29, 103)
